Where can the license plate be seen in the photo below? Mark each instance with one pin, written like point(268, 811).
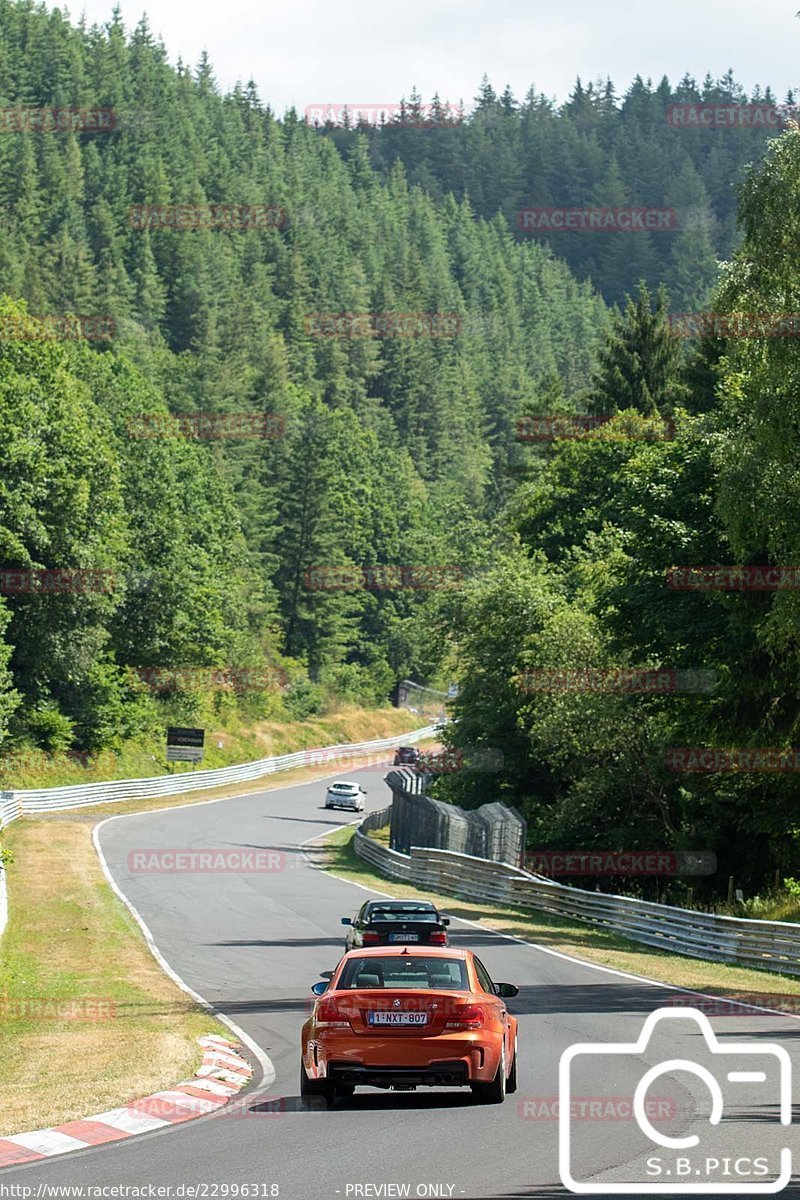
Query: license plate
point(397, 1018)
point(403, 937)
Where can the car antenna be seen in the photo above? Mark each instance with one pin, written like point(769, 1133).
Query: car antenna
point(404, 950)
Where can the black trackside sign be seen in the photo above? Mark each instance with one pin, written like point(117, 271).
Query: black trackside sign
point(179, 735)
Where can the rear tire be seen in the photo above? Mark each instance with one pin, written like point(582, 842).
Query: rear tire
point(494, 1092)
point(314, 1089)
point(511, 1084)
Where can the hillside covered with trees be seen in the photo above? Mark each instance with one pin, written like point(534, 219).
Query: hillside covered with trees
point(596, 149)
point(394, 450)
point(608, 526)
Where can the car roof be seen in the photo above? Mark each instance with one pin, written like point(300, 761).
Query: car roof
point(402, 903)
point(407, 952)
point(344, 783)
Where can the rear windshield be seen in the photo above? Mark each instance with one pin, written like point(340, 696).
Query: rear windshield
point(405, 971)
point(345, 787)
point(403, 914)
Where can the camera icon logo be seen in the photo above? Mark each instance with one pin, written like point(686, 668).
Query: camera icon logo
point(745, 1074)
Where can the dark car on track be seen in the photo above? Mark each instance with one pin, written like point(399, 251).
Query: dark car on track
point(391, 922)
point(406, 756)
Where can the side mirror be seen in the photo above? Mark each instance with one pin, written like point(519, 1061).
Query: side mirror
point(346, 921)
point(319, 988)
point(506, 989)
point(445, 920)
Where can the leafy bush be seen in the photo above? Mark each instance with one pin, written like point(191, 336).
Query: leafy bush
point(303, 699)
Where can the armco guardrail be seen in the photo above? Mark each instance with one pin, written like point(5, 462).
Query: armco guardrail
point(768, 945)
point(14, 804)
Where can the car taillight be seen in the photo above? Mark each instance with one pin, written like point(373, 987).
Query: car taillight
point(438, 938)
point(330, 1015)
point(466, 1016)
point(371, 939)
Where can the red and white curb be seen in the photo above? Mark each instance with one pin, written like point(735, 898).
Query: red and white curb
point(221, 1076)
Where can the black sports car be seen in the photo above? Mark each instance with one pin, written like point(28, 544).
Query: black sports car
point(387, 922)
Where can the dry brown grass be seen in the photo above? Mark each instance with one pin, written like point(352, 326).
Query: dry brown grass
point(71, 940)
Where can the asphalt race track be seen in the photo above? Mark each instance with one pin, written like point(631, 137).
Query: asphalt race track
point(253, 943)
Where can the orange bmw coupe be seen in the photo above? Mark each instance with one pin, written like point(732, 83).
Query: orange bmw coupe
point(408, 1017)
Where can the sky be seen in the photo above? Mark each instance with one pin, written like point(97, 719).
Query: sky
point(311, 52)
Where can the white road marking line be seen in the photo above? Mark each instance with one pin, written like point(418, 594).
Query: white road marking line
point(671, 987)
point(263, 1059)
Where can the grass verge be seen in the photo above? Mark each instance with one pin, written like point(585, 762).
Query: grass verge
point(335, 852)
point(231, 737)
point(88, 1021)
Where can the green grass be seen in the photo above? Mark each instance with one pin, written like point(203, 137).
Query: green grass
point(89, 1019)
point(231, 737)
